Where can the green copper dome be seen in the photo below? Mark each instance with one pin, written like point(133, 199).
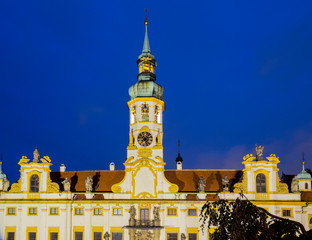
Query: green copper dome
point(146, 89)
point(303, 174)
point(2, 175)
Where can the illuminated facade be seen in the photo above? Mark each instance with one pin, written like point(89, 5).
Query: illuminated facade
point(144, 201)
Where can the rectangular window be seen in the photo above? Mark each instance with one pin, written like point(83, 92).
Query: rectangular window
point(172, 212)
point(78, 211)
point(32, 236)
point(192, 212)
point(97, 236)
point(11, 236)
point(78, 235)
point(172, 236)
point(144, 216)
point(54, 211)
point(11, 211)
point(117, 211)
point(53, 236)
point(32, 211)
point(117, 236)
point(286, 213)
point(192, 236)
point(97, 211)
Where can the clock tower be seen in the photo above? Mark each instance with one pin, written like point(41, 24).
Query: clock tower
point(144, 167)
point(146, 107)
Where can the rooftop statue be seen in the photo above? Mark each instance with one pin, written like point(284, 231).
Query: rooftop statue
point(5, 184)
point(36, 156)
point(225, 182)
point(66, 185)
point(201, 184)
point(259, 151)
point(294, 184)
point(89, 183)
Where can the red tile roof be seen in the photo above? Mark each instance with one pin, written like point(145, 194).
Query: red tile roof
point(187, 180)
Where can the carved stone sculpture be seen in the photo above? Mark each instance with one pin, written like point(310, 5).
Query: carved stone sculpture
point(89, 183)
point(5, 184)
point(183, 237)
point(259, 151)
point(45, 159)
point(295, 184)
point(36, 156)
point(106, 236)
point(144, 234)
point(66, 185)
point(132, 212)
point(156, 213)
point(201, 184)
point(225, 183)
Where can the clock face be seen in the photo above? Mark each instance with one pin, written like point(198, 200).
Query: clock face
point(145, 139)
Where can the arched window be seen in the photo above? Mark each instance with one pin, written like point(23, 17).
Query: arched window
point(261, 183)
point(34, 183)
point(306, 186)
point(310, 222)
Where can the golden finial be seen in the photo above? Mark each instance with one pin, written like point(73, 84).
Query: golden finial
point(146, 21)
point(303, 162)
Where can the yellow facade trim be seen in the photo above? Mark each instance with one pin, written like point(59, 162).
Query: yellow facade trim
point(97, 229)
point(287, 209)
point(192, 230)
point(31, 209)
point(310, 220)
point(78, 229)
point(76, 208)
point(196, 209)
point(146, 99)
point(53, 230)
point(52, 209)
point(115, 211)
point(267, 179)
point(8, 230)
point(94, 209)
point(172, 208)
point(12, 211)
point(29, 230)
point(29, 175)
point(118, 230)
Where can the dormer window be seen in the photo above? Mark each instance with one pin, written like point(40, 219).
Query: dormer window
point(34, 183)
point(261, 183)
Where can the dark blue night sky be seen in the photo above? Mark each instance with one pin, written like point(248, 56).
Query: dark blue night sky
point(235, 74)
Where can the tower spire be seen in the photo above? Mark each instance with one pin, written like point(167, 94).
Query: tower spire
point(303, 162)
point(179, 158)
point(146, 46)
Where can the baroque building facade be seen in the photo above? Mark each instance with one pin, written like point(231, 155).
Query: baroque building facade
point(143, 201)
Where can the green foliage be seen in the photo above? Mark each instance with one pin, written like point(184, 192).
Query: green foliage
point(240, 220)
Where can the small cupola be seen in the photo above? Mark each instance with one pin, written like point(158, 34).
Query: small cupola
point(179, 159)
point(304, 178)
